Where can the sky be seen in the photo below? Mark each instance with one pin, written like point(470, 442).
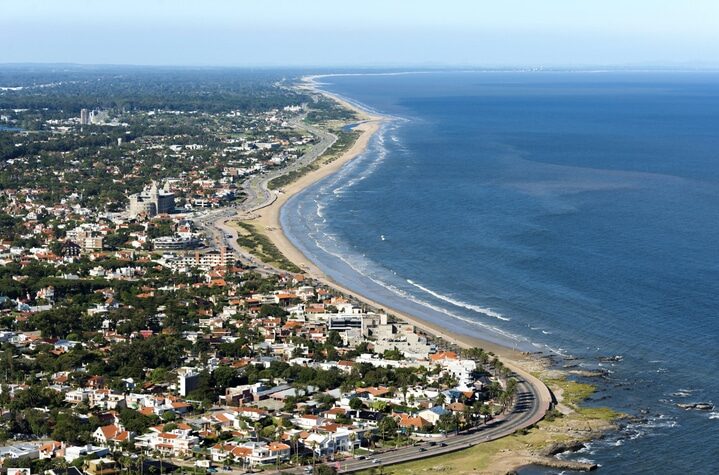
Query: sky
point(366, 33)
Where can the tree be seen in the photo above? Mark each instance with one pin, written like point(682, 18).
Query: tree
point(323, 469)
point(289, 404)
point(272, 310)
point(356, 403)
point(352, 437)
point(71, 429)
point(295, 440)
point(134, 421)
point(486, 412)
point(448, 422)
point(393, 354)
point(334, 339)
point(225, 377)
point(38, 420)
point(440, 400)
point(387, 425)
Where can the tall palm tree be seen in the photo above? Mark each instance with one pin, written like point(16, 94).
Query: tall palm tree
point(295, 439)
point(467, 415)
point(313, 445)
point(352, 438)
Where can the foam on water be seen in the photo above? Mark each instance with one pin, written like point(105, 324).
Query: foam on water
point(572, 215)
point(459, 303)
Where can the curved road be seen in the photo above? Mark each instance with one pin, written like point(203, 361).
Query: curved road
point(258, 196)
point(529, 408)
point(533, 397)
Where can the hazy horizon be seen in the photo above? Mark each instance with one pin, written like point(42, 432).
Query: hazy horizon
point(421, 34)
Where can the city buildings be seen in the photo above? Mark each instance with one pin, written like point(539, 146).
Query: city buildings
point(151, 201)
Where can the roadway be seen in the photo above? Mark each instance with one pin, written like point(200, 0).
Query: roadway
point(529, 408)
point(258, 195)
point(533, 397)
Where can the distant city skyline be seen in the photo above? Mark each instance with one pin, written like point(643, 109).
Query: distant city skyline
point(325, 33)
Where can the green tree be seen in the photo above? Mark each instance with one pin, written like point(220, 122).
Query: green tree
point(356, 403)
point(225, 377)
point(387, 427)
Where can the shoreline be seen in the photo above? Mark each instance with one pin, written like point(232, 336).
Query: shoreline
point(528, 366)
point(268, 222)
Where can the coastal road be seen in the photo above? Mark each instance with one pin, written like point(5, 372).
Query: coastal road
point(258, 195)
point(533, 397)
point(529, 408)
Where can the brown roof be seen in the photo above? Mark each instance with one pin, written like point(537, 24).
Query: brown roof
point(277, 446)
point(449, 355)
point(381, 391)
point(413, 421)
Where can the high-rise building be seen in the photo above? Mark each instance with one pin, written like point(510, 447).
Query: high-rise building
point(151, 201)
point(188, 380)
point(84, 116)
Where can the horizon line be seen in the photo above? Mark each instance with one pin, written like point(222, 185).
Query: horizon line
point(626, 67)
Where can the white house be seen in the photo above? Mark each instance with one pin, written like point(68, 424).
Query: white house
point(111, 434)
point(176, 442)
point(433, 414)
point(308, 421)
point(252, 453)
point(75, 452)
point(23, 451)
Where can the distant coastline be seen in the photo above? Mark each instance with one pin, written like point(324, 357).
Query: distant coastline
point(269, 223)
point(569, 425)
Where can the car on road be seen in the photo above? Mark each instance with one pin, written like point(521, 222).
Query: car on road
point(422, 449)
point(443, 444)
point(360, 457)
point(375, 460)
point(432, 443)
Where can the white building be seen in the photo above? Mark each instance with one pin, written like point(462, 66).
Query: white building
point(188, 379)
point(177, 442)
point(151, 201)
point(75, 452)
point(252, 453)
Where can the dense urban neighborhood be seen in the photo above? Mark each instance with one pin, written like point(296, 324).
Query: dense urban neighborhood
point(135, 339)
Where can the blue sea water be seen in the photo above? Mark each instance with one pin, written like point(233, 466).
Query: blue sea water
point(575, 214)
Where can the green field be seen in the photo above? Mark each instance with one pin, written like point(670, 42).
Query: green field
point(261, 247)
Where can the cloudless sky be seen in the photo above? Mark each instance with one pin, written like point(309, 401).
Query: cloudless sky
point(362, 32)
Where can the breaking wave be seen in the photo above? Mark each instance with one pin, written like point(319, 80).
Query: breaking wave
point(458, 303)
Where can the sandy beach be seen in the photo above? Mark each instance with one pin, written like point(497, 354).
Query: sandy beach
point(267, 220)
point(505, 454)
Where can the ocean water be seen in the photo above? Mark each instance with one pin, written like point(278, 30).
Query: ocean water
point(575, 214)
